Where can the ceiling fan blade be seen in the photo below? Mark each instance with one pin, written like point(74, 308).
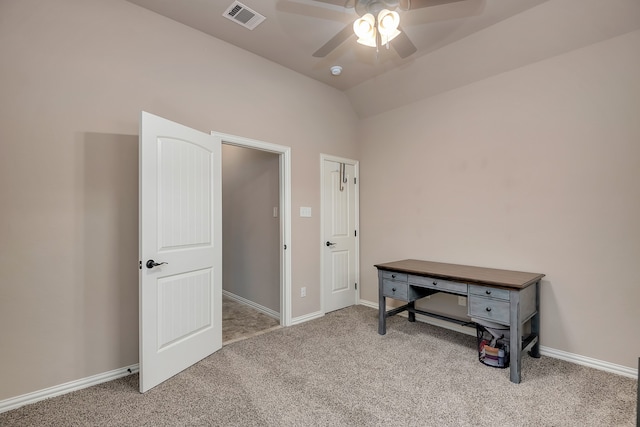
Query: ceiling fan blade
point(419, 4)
point(335, 41)
point(403, 45)
point(344, 3)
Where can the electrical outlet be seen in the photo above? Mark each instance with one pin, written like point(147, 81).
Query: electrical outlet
point(462, 301)
point(303, 291)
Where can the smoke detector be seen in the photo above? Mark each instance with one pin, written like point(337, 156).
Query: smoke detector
point(336, 70)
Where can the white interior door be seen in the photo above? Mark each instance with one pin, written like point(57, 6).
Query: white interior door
point(339, 217)
point(180, 248)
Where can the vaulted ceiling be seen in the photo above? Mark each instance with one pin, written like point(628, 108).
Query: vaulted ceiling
point(457, 41)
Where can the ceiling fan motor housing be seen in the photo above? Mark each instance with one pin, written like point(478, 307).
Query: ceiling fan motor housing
point(373, 7)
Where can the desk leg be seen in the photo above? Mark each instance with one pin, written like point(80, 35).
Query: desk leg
point(535, 325)
point(535, 329)
point(412, 314)
point(516, 338)
point(382, 318)
point(382, 308)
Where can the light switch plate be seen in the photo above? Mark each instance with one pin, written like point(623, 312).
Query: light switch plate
point(305, 211)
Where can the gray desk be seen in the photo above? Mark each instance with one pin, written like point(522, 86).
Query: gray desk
point(510, 298)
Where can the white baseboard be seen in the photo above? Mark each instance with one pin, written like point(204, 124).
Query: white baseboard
point(545, 351)
point(590, 362)
point(369, 304)
point(260, 308)
point(306, 317)
point(25, 399)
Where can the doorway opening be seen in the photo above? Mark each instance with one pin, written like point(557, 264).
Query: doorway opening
point(256, 229)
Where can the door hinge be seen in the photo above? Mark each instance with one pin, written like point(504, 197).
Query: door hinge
point(356, 286)
point(355, 233)
point(140, 265)
point(285, 247)
point(354, 179)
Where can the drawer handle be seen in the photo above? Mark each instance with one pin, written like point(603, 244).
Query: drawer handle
point(488, 308)
point(393, 276)
point(393, 289)
point(435, 283)
point(488, 292)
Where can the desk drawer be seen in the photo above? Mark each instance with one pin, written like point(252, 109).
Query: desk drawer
point(396, 290)
point(392, 275)
point(489, 309)
point(439, 284)
point(489, 292)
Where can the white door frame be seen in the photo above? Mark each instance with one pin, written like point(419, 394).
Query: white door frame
point(285, 213)
point(323, 256)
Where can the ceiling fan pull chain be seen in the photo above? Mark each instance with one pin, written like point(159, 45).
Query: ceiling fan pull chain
point(378, 41)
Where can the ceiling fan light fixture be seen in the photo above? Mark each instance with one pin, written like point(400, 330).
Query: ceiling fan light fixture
point(371, 42)
point(388, 22)
point(368, 27)
point(377, 25)
point(365, 27)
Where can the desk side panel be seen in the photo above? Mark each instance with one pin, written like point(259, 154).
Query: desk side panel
point(528, 302)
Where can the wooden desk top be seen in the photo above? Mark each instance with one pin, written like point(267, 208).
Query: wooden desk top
point(464, 273)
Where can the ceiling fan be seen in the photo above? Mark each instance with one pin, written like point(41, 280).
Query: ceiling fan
point(373, 17)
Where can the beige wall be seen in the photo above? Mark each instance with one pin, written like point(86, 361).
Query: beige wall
point(74, 76)
point(537, 169)
point(250, 232)
point(534, 169)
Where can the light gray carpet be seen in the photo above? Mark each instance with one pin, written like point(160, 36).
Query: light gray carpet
point(337, 371)
point(240, 321)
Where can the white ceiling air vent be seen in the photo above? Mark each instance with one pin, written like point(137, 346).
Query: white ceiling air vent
point(244, 16)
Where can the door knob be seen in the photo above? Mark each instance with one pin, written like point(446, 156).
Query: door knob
point(329, 244)
point(151, 263)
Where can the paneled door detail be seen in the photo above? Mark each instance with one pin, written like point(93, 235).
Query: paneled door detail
point(339, 229)
point(180, 248)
